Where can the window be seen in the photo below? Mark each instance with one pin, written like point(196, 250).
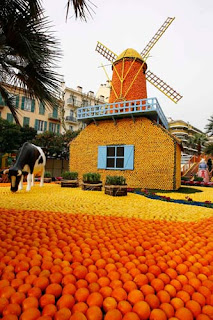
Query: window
point(116, 157)
point(71, 128)
point(9, 117)
point(85, 103)
point(28, 104)
point(26, 121)
point(54, 127)
point(40, 125)
point(41, 108)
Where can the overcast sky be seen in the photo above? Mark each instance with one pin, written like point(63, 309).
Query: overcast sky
point(183, 57)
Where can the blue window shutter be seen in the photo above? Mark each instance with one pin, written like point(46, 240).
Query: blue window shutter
point(55, 112)
point(58, 128)
point(9, 117)
point(36, 124)
point(1, 100)
point(26, 121)
point(45, 125)
point(17, 101)
point(41, 108)
point(33, 105)
point(50, 127)
point(129, 157)
point(22, 103)
point(102, 152)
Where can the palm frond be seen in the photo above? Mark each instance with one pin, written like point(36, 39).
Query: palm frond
point(82, 8)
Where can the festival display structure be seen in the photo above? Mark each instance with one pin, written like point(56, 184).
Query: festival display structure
point(129, 135)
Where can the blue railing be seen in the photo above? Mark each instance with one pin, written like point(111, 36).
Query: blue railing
point(148, 107)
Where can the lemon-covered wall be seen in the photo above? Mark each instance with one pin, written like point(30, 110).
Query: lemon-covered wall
point(156, 152)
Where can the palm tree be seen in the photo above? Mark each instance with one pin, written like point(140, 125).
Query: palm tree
point(28, 53)
point(81, 8)
point(209, 126)
point(209, 149)
point(198, 140)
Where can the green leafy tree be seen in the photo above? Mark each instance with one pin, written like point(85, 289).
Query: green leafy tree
point(28, 53)
point(209, 149)
point(209, 126)
point(198, 140)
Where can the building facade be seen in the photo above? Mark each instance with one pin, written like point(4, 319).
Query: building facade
point(32, 112)
point(74, 99)
point(184, 132)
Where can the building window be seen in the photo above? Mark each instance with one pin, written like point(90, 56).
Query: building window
point(28, 104)
point(26, 121)
point(40, 125)
point(41, 108)
point(10, 117)
point(116, 157)
point(71, 128)
point(54, 127)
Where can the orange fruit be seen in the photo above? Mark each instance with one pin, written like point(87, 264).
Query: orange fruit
point(81, 294)
point(94, 313)
point(142, 309)
point(177, 303)
point(41, 282)
point(194, 307)
point(16, 297)
point(163, 296)
point(80, 272)
point(184, 314)
point(12, 308)
point(105, 292)
point(119, 294)
point(66, 301)
point(3, 303)
point(202, 317)
point(197, 296)
point(95, 299)
point(135, 296)
point(168, 309)
point(69, 289)
point(114, 314)
point(30, 302)
point(208, 310)
point(124, 306)
point(46, 299)
point(30, 314)
point(10, 317)
point(157, 284)
point(55, 289)
point(109, 303)
point(6, 292)
point(49, 310)
point(183, 295)
point(34, 292)
point(80, 307)
point(131, 316)
point(78, 316)
point(62, 314)
point(152, 300)
point(157, 314)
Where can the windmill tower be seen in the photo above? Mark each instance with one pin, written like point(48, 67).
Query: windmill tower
point(130, 71)
point(127, 136)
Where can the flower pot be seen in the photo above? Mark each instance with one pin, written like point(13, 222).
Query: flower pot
point(92, 186)
point(69, 183)
point(116, 190)
point(47, 180)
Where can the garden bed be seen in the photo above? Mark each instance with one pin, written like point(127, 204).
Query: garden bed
point(69, 183)
point(92, 186)
point(116, 190)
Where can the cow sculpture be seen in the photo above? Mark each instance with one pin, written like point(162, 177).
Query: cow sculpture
point(31, 160)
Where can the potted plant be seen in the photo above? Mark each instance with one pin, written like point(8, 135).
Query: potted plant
point(47, 177)
point(116, 186)
point(69, 179)
point(92, 181)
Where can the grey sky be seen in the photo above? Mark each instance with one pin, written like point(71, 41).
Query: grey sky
point(183, 57)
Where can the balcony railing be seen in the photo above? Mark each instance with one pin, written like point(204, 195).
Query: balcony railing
point(70, 119)
point(74, 103)
point(142, 107)
point(53, 116)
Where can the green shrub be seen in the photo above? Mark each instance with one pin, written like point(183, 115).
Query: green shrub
point(70, 175)
point(185, 178)
point(115, 180)
point(196, 178)
point(47, 174)
point(91, 177)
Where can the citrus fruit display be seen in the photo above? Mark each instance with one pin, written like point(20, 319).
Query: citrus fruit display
point(69, 254)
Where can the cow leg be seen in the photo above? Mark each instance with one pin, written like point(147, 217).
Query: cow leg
point(29, 179)
point(32, 183)
point(20, 186)
point(42, 178)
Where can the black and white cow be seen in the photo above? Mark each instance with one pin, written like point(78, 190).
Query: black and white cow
point(31, 160)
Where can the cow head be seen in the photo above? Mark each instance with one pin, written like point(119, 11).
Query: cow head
point(15, 176)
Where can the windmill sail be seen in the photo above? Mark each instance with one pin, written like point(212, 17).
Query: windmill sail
point(156, 37)
point(105, 52)
point(163, 87)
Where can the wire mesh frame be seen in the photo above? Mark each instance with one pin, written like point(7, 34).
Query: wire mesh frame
point(105, 52)
point(163, 87)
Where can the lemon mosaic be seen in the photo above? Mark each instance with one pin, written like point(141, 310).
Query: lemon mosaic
point(53, 198)
point(205, 194)
point(156, 156)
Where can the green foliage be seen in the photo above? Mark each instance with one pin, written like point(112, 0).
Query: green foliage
point(209, 126)
point(70, 175)
point(47, 174)
point(185, 178)
point(12, 136)
point(115, 180)
point(91, 177)
point(196, 178)
point(198, 140)
point(209, 164)
point(209, 149)
point(55, 145)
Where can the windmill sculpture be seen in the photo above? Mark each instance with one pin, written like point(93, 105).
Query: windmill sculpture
point(130, 71)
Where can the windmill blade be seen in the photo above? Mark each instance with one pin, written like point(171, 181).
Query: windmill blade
point(105, 52)
point(163, 87)
point(156, 37)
